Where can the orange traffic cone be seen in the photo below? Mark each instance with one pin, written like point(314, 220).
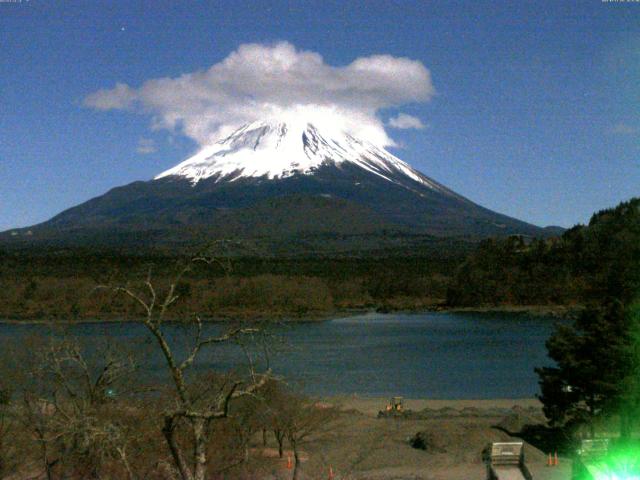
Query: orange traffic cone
point(549, 461)
point(331, 476)
point(555, 459)
point(289, 462)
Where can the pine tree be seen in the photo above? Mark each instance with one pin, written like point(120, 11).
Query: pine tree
point(596, 370)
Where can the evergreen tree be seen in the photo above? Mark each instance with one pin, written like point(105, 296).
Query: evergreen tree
point(596, 370)
point(598, 357)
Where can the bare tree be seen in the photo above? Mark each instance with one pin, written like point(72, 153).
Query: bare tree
point(196, 406)
point(5, 430)
point(273, 412)
point(36, 418)
point(304, 418)
point(69, 409)
point(293, 417)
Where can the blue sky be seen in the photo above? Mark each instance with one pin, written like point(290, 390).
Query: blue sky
point(535, 111)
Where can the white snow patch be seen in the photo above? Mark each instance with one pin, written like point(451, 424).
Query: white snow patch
point(273, 149)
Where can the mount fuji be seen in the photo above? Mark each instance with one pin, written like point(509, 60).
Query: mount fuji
point(282, 181)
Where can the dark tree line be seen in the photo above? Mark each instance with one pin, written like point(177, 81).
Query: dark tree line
point(51, 285)
point(588, 264)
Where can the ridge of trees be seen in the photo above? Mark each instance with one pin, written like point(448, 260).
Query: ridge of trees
point(585, 265)
point(62, 287)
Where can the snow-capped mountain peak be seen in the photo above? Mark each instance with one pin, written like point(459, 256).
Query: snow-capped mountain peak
point(275, 150)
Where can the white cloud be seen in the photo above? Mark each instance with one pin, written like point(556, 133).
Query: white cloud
point(404, 122)
point(146, 146)
point(263, 81)
point(118, 97)
point(624, 129)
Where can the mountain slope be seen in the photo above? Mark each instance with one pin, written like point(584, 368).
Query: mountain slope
point(281, 181)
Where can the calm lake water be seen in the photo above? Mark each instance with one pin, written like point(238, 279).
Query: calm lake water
point(426, 355)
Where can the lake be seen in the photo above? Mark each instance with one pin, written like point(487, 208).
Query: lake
point(423, 355)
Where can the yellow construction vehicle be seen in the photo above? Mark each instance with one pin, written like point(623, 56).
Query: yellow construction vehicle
point(394, 408)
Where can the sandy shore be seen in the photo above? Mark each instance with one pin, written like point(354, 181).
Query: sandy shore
point(371, 405)
point(359, 446)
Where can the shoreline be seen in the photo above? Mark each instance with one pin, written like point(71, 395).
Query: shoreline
point(555, 311)
point(372, 405)
point(559, 311)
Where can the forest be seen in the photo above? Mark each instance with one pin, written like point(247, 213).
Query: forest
point(585, 264)
point(47, 285)
point(579, 267)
